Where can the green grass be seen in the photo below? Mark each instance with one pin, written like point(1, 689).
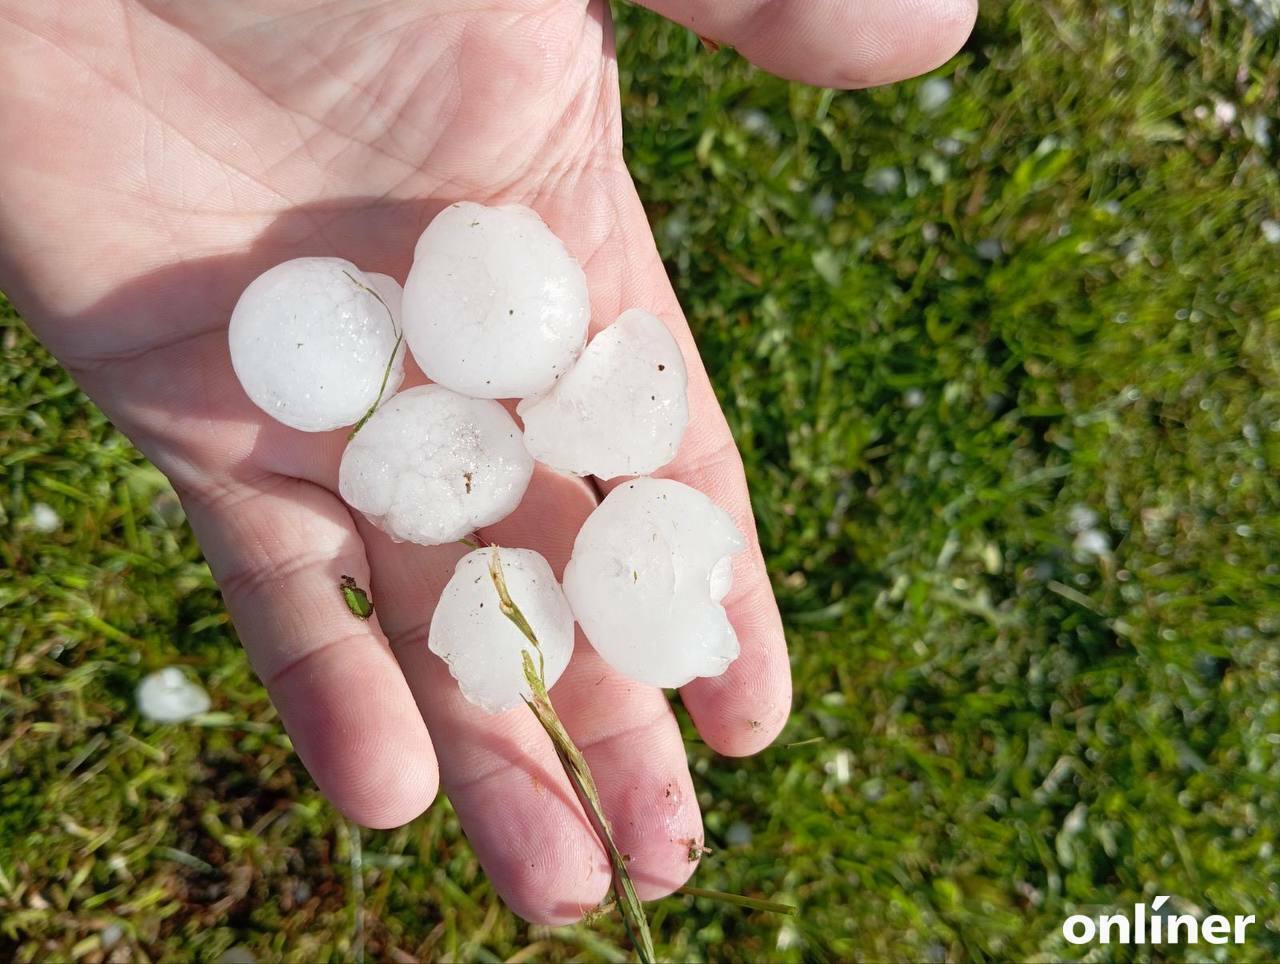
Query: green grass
point(1060, 297)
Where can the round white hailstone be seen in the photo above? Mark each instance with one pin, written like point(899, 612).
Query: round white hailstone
point(494, 306)
point(432, 466)
point(310, 342)
point(482, 646)
point(620, 410)
point(167, 696)
point(933, 94)
point(649, 568)
point(45, 518)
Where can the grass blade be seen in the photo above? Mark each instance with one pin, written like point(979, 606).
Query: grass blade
point(575, 766)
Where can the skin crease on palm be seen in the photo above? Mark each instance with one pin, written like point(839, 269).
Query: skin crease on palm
point(159, 155)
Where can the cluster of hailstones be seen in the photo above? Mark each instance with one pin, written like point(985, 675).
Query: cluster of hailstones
point(494, 308)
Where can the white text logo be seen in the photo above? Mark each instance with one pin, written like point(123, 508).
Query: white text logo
point(1151, 927)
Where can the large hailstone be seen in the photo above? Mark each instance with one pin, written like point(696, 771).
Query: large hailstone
point(649, 569)
point(310, 342)
point(494, 306)
point(432, 466)
point(482, 646)
point(620, 410)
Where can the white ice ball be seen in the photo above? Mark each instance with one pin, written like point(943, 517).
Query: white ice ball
point(310, 342)
point(45, 518)
point(649, 569)
point(167, 696)
point(494, 306)
point(620, 410)
point(482, 646)
point(432, 466)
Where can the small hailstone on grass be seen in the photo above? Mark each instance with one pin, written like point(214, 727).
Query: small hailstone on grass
point(739, 834)
point(822, 205)
point(1081, 517)
point(494, 306)
point(649, 569)
point(989, 249)
point(883, 180)
point(1091, 542)
point(620, 410)
point(934, 94)
point(432, 466)
point(482, 646)
point(45, 518)
point(167, 696)
point(311, 342)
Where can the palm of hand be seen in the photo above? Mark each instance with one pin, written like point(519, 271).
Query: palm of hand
point(179, 148)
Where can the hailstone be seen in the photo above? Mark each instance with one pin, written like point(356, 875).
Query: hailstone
point(311, 340)
point(168, 696)
point(482, 646)
point(494, 306)
point(649, 569)
point(620, 410)
point(431, 466)
point(392, 296)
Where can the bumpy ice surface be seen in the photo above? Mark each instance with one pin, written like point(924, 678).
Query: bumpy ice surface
point(494, 306)
point(310, 345)
point(432, 466)
point(649, 568)
point(482, 646)
point(620, 410)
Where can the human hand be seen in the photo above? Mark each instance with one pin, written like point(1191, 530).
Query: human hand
point(159, 155)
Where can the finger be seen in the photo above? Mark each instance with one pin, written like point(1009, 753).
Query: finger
point(626, 730)
point(633, 745)
point(512, 797)
point(278, 548)
point(740, 712)
point(832, 43)
point(500, 771)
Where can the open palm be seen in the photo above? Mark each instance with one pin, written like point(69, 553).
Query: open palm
point(161, 154)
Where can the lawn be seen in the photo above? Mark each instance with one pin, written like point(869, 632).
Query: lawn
point(1001, 349)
